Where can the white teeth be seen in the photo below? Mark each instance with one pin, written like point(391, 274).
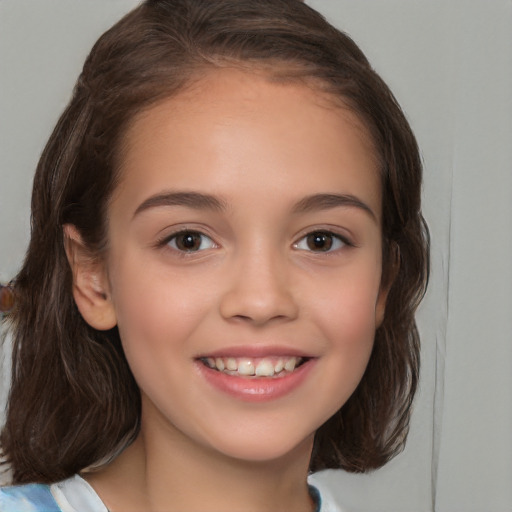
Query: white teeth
point(289, 365)
point(231, 364)
point(259, 367)
point(279, 366)
point(265, 369)
point(245, 367)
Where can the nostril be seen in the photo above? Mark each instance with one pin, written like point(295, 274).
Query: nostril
point(242, 317)
point(258, 318)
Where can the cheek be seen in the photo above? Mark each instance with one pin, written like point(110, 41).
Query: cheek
point(347, 318)
point(156, 311)
point(148, 294)
point(351, 334)
point(348, 307)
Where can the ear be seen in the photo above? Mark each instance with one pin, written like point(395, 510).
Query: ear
point(90, 282)
point(386, 283)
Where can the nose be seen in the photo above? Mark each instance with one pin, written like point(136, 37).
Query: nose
point(259, 289)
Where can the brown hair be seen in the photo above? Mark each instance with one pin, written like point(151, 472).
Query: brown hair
point(73, 400)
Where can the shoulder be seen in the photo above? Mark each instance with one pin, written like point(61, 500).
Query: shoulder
point(71, 495)
point(27, 498)
point(323, 497)
point(326, 502)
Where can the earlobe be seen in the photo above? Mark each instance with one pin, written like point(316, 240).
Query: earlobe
point(90, 283)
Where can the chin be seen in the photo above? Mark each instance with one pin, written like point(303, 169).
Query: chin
point(266, 449)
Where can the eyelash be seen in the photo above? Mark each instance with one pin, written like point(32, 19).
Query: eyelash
point(170, 241)
point(335, 239)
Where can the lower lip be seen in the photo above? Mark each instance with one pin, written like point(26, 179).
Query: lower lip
point(256, 389)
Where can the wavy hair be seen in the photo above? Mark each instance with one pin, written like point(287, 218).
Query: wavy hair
point(73, 401)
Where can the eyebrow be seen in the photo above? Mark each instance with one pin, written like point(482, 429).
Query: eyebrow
point(200, 201)
point(318, 202)
point(194, 200)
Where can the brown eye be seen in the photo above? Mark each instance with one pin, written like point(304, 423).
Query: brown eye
point(320, 241)
point(190, 241)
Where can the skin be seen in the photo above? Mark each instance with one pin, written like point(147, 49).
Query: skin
point(259, 148)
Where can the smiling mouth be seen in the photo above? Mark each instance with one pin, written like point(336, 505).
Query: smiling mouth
point(248, 367)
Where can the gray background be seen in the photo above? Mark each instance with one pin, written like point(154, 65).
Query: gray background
point(450, 65)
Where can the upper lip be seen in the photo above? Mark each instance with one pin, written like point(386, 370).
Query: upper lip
point(256, 351)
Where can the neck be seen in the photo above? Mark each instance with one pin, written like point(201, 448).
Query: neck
point(161, 473)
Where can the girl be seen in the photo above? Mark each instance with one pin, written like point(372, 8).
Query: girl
point(227, 252)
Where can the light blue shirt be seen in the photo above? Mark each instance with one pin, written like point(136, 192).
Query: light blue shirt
point(76, 495)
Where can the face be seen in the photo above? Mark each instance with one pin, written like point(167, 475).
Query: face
point(244, 263)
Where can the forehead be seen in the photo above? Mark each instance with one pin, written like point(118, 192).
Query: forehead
point(231, 120)
point(233, 91)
